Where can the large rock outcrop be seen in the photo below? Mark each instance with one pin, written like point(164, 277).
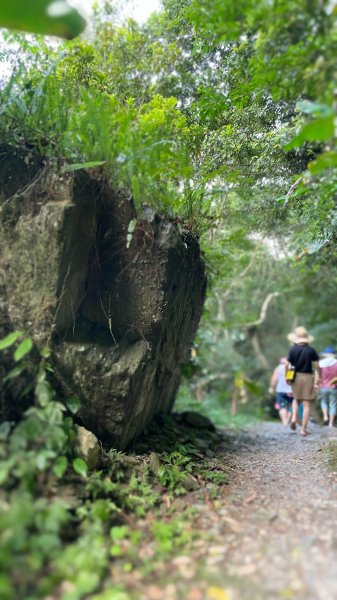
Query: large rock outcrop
point(119, 309)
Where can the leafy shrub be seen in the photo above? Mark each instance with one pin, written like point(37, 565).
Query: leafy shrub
point(61, 525)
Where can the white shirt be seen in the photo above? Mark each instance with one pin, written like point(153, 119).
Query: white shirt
point(282, 386)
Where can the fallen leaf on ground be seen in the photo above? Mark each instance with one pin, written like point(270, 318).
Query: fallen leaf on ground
point(167, 500)
point(250, 498)
point(216, 593)
point(194, 594)
point(154, 593)
point(234, 525)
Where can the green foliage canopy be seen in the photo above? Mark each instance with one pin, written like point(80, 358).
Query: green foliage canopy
point(222, 115)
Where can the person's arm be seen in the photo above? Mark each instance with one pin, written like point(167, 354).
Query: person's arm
point(318, 374)
point(290, 360)
point(273, 381)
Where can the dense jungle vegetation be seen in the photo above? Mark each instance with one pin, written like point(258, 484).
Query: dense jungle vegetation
point(221, 115)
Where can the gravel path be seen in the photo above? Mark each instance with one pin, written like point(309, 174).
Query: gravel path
point(271, 534)
point(279, 518)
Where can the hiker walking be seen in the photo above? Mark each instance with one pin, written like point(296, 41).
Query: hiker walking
point(284, 395)
point(305, 360)
point(328, 392)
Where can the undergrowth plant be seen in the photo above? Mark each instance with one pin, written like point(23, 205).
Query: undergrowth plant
point(143, 149)
point(61, 525)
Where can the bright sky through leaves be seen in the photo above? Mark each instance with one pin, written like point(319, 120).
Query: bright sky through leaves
point(139, 10)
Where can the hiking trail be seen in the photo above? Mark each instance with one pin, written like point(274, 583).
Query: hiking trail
point(272, 532)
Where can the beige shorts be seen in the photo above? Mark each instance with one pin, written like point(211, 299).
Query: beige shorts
point(303, 386)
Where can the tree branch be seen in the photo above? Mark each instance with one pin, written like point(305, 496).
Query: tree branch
point(263, 311)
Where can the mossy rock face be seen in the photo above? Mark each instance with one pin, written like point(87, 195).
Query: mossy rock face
point(119, 310)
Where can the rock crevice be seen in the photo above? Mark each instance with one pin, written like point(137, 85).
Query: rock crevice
point(119, 308)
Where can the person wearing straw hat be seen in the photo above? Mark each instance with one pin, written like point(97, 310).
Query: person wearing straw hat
point(328, 392)
point(305, 360)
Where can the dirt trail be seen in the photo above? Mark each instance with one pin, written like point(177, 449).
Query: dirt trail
point(272, 534)
point(279, 517)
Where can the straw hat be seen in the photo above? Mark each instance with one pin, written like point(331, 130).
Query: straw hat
point(300, 336)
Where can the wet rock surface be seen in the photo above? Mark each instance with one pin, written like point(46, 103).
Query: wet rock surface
point(119, 309)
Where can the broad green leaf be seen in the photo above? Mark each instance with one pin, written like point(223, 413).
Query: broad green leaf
point(80, 467)
point(116, 550)
point(78, 166)
point(42, 16)
point(314, 108)
point(327, 160)
point(42, 458)
point(43, 393)
point(60, 466)
point(319, 130)
point(15, 372)
point(119, 533)
point(9, 340)
point(23, 349)
point(41, 376)
point(73, 404)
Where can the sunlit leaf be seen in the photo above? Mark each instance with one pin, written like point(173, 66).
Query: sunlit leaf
point(116, 550)
point(60, 466)
point(119, 533)
point(24, 348)
point(42, 16)
point(78, 166)
point(73, 404)
point(328, 160)
point(10, 339)
point(320, 130)
point(80, 467)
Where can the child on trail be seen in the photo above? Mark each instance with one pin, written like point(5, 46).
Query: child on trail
point(305, 360)
point(284, 396)
point(328, 391)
